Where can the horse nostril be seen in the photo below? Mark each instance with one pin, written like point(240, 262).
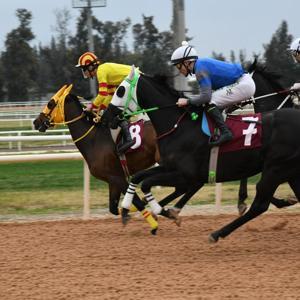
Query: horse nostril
point(42, 129)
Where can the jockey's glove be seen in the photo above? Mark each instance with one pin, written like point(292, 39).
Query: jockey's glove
point(295, 86)
point(89, 107)
point(182, 102)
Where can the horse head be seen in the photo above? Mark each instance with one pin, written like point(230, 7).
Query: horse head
point(268, 82)
point(125, 97)
point(53, 113)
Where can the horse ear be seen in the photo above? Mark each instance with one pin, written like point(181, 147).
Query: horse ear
point(68, 90)
point(59, 93)
point(131, 74)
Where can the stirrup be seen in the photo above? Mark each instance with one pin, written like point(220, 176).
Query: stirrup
point(124, 147)
point(221, 140)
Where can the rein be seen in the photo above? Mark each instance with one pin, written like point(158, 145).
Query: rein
point(70, 122)
point(174, 127)
point(272, 94)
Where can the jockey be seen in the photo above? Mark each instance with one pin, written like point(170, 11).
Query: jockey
point(222, 84)
point(294, 49)
point(109, 77)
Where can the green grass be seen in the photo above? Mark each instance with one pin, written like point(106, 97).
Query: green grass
point(55, 175)
point(45, 176)
point(46, 187)
point(56, 187)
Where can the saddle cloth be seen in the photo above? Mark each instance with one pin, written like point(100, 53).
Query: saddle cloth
point(246, 129)
point(136, 130)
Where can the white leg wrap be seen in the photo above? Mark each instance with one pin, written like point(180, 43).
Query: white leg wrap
point(155, 207)
point(127, 200)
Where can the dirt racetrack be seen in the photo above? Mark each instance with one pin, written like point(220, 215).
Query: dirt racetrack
point(99, 259)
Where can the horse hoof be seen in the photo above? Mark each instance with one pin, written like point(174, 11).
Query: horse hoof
point(292, 200)
point(154, 230)
point(154, 216)
point(172, 214)
point(178, 221)
point(125, 216)
point(125, 220)
point(213, 238)
point(242, 208)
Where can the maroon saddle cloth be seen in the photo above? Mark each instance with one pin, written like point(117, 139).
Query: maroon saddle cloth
point(246, 129)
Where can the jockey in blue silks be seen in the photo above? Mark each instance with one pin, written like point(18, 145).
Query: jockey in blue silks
point(222, 84)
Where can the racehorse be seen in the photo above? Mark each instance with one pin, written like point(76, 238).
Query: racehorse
point(185, 152)
point(269, 95)
point(98, 149)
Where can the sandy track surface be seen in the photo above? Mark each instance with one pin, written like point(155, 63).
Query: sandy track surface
point(99, 259)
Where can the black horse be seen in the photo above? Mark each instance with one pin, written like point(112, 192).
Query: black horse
point(267, 83)
point(185, 152)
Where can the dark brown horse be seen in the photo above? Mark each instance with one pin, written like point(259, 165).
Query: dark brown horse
point(97, 147)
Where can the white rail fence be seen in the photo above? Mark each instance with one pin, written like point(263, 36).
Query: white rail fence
point(52, 156)
point(70, 156)
point(11, 136)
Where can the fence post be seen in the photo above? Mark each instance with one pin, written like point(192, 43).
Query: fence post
point(218, 195)
point(86, 191)
point(19, 143)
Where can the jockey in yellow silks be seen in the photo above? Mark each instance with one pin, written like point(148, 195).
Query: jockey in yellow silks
point(109, 76)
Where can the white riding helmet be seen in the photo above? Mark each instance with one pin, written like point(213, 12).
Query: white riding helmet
point(295, 50)
point(183, 53)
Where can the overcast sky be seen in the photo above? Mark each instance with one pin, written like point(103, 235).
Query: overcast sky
point(215, 25)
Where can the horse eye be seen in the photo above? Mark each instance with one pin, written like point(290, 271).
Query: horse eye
point(51, 104)
point(120, 91)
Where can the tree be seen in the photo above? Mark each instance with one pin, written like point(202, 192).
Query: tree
point(152, 48)
point(2, 82)
point(19, 60)
point(276, 56)
point(108, 42)
point(55, 63)
point(232, 56)
point(110, 38)
point(218, 56)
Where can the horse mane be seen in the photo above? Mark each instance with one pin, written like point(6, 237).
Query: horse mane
point(165, 82)
point(273, 76)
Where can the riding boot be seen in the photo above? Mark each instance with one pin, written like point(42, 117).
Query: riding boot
point(225, 133)
point(126, 137)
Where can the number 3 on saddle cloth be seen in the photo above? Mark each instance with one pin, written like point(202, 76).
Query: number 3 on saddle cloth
point(136, 130)
point(246, 129)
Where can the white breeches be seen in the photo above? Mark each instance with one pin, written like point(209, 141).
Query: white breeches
point(242, 90)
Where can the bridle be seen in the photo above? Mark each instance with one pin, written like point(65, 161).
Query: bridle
point(58, 104)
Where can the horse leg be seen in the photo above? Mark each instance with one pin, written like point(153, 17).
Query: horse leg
point(265, 189)
point(131, 196)
point(164, 179)
point(188, 195)
point(118, 185)
point(139, 204)
point(114, 197)
point(281, 203)
point(242, 206)
point(243, 195)
point(177, 193)
point(295, 186)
